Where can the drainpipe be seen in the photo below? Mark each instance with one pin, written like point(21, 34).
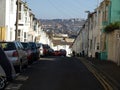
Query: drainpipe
point(88, 21)
point(17, 19)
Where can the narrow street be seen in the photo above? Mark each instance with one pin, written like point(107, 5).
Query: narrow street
point(56, 73)
point(60, 45)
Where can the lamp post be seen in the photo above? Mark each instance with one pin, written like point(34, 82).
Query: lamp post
point(17, 19)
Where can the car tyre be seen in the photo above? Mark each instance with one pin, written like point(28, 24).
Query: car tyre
point(2, 83)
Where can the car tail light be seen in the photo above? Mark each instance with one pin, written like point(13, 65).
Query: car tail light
point(44, 51)
point(15, 54)
point(29, 57)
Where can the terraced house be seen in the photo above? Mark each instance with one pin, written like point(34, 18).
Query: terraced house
point(22, 19)
point(103, 42)
point(113, 34)
point(7, 19)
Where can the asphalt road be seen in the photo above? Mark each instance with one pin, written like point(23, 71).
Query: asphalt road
point(56, 73)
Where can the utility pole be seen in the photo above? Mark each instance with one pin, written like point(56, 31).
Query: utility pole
point(17, 19)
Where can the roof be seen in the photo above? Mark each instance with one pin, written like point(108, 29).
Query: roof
point(61, 42)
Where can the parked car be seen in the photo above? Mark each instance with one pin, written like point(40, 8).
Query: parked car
point(7, 66)
point(35, 50)
point(62, 52)
point(57, 53)
point(44, 49)
point(50, 52)
point(3, 78)
point(16, 54)
point(28, 50)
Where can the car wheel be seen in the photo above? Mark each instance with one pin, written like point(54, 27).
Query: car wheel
point(2, 83)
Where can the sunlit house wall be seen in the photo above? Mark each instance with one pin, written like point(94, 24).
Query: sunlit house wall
point(7, 18)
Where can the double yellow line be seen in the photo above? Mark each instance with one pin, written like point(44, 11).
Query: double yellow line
point(98, 75)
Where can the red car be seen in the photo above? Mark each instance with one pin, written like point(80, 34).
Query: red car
point(57, 53)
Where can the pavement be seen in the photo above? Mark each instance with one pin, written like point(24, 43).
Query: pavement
point(109, 69)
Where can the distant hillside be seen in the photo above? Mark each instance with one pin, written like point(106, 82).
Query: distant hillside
point(64, 26)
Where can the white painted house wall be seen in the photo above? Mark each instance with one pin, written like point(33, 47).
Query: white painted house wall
point(7, 18)
point(44, 38)
point(24, 22)
point(2, 12)
point(31, 32)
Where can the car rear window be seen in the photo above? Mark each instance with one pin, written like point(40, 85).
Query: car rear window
point(7, 46)
point(33, 45)
point(25, 45)
point(46, 46)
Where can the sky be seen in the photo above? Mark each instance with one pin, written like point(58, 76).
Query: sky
point(62, 9)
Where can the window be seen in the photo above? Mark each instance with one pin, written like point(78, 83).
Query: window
point(118, 35)
point(19, 16)
point(25, 40)
point(19, 33)
point(90, 44)
point(20, 6)
point(24, 34)
point(98, 46)
point(25, 19)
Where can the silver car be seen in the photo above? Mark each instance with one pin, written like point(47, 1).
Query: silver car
point(16, 54)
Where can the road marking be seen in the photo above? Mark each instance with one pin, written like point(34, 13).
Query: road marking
point(22, 78)
point(103, 82)
point(50, 59)
point(13, 86)
point(99, 77)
